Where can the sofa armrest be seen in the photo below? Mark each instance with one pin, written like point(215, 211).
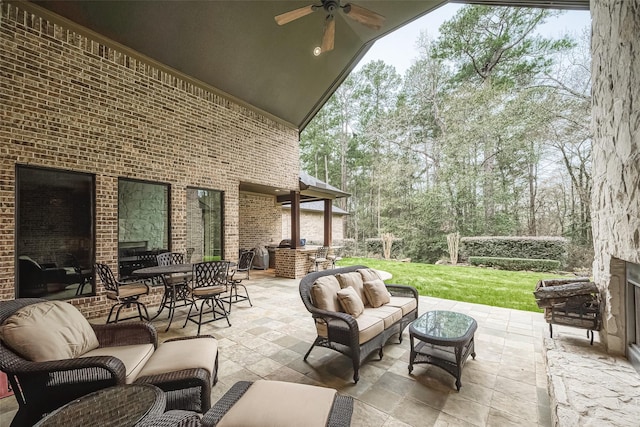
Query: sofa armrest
point(126, 333)
point(341, 327)
point(402, 291)
point(89, 369)
point(349, 320)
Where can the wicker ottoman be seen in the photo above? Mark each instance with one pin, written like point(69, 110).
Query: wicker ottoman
point(281, 404)
point(185, 369)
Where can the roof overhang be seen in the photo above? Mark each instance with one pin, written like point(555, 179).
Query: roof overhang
point(236, 49)
point(310, 189)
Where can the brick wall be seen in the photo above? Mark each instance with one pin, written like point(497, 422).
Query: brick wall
point(73, 103)
point(312, 226)
point(260, 220)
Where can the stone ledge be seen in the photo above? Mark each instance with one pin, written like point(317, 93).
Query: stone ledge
point(588, 387)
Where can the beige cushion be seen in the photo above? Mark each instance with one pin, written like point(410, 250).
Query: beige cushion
point(368, 326)
point(387, 313)
point(368, 274)
point(407, 304)
point(281, 404)
point(178, 355)
point(350, 301)
point(51, 330)
point(208, 290)
point(134, 357)
point(129, 290)
point(377, 293)
point(324, 293)
point(354, 280)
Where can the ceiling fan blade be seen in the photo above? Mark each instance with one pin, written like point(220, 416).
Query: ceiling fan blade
point(292, 15)
point(364, 16)
point(329, 34)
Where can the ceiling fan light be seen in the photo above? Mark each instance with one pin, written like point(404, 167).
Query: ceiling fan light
point(317, 51)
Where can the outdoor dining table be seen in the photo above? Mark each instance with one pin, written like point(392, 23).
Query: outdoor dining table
point(174, 291)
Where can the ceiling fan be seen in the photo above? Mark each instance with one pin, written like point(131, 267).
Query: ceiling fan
point(357, 13)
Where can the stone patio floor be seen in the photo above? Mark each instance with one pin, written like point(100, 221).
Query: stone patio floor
point(506, 385)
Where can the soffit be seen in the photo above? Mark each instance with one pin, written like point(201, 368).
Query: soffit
point(237, 48)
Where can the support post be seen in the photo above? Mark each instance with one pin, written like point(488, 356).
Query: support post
point(295, 219)
point(328, 221)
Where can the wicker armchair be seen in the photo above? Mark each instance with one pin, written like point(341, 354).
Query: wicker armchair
point(41, 387)
point(342, 330)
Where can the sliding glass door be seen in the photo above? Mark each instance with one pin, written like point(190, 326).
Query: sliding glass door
point(205, 224)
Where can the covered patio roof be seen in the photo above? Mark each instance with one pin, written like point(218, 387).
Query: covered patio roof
point(237, 49)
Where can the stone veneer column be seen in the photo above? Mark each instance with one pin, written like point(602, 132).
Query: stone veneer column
point(615, 70)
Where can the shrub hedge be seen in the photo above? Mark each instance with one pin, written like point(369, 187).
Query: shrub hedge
point(516, 264)
point(526, 247)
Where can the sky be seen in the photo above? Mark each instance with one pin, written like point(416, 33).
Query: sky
point(399, 48)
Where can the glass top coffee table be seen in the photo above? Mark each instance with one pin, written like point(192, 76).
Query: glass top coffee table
point(117, 406)
point(443, 339)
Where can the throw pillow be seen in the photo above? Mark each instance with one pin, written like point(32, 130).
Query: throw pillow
point(377, 293)
point(350, 301)
point(51, 330)
point(368, 274)
point(324, 293)
point(354, 280)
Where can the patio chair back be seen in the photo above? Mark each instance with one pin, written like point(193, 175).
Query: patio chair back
point(189, 254)
point(210, 273)
point(109, 281)
point(169, 258)
point(244, 265)
point(320, 256)
point(322, 252)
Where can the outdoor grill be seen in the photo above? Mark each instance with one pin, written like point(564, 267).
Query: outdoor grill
point(571, 302)
point(286, 243)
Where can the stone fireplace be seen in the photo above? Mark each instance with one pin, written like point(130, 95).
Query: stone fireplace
point(615, 48)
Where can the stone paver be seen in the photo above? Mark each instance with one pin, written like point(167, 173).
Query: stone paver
point(506, 385)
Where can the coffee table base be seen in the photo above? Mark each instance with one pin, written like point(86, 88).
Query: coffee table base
point(449, 358)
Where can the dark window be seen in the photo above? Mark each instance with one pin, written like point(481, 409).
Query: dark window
point(205, 224)
point(55, 233)
point(143, 224)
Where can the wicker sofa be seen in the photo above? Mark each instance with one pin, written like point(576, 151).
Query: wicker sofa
point(387, 310)
point(53, 355)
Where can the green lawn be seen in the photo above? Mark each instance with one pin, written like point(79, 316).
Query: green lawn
point(499, 288)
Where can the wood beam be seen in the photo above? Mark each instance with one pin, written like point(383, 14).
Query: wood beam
point(328, 221)
point(295, 219)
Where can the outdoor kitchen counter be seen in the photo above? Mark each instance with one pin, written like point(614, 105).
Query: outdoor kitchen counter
point(294, 263)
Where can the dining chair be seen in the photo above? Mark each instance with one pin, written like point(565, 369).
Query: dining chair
point(176, 289)
point(168, 258)
point(240, 273)
point(335, 256)
point(209, 282)
point(189, 254)
point(320, 256)
point(125, 294)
